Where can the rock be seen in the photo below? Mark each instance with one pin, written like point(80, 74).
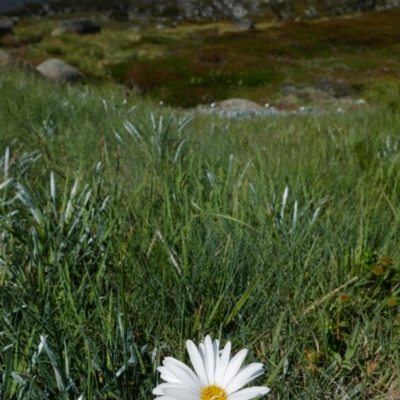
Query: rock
point(244, 24)
point(59, 70)
point(134, 28)
point(4, 58)
point(79, 26)
point(239, 109)
point(6, 26)
point(238, 104)
point(239, 11)
point(8, 60)
point(288, 88)
point(311, 12)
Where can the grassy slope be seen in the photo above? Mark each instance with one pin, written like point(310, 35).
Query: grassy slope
point(117, 248)
point(194, 64)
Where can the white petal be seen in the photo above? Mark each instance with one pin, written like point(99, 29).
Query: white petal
point(249, 393)
point(233, 367)
point(165, 398)
point(197, 362)
point(182, 393)
point(223, 364)
point(159, 389)
point(201, 350)
point(167, 376)
point(245, 375)
point(209, 359)
point(183, 373)
point(216, 357)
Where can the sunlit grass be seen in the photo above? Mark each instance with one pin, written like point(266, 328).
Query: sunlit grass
point(127, 228)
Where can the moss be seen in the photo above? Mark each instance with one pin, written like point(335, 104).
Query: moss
point(157, 39)
point(119, 71)
point(257, 78)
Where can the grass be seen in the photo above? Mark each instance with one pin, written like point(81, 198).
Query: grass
point(127, 228)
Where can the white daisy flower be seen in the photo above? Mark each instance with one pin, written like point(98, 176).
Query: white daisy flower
point(217, 377)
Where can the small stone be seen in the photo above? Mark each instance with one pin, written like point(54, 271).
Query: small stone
point(134, 28)
point(6, 26)
point(243, 24)
point(239, 104)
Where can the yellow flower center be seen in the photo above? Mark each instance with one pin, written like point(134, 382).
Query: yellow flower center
point(213, 392)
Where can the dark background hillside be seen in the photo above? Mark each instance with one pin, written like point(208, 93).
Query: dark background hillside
point(210, 9)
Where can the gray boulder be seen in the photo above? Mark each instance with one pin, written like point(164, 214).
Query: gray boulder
point(6, 26)
point(244, 24)
point(134, 28)
point(59, 70)
point(79, 26)
point(237, 105)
